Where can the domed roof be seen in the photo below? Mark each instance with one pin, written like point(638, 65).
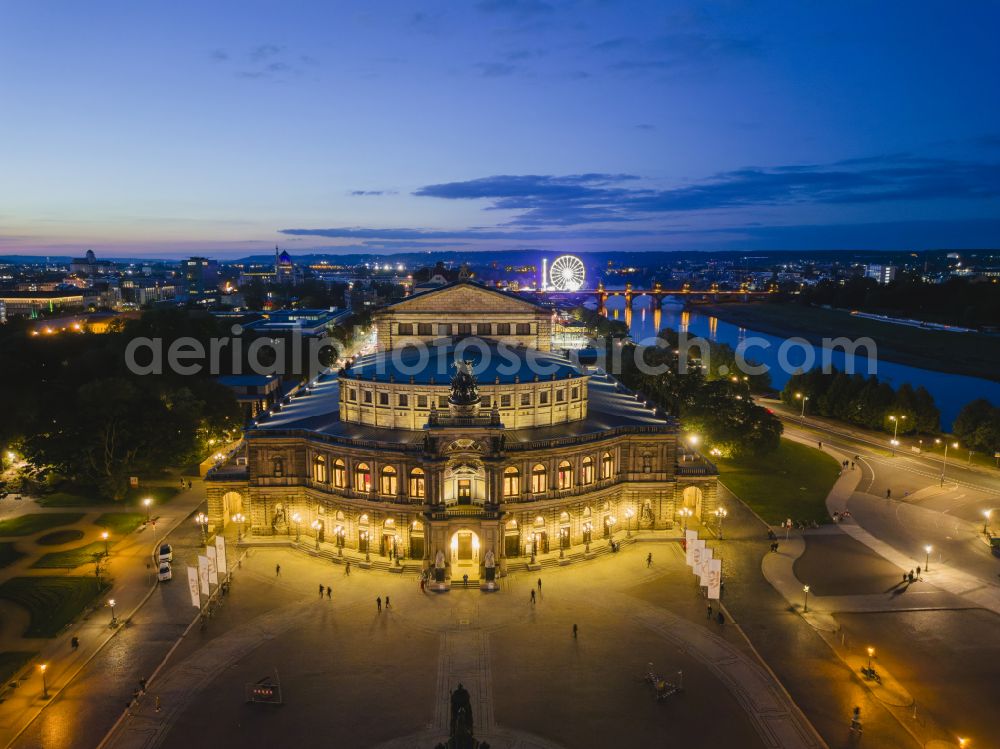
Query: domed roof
point(434, 364)
point(284, 257)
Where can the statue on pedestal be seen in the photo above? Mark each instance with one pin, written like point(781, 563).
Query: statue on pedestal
point(464, 399)
point(439, 567)
point(490, 564)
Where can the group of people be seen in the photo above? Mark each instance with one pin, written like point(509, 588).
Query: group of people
point(378, 603)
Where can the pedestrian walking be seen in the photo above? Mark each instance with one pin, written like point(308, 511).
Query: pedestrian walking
point(329, 591)
point(649, 559)
point(574, 631)
point(820, 445)
point(142, 685)
point(532, 596)
point(904, 577)
point(539, 585)
point(321, 589)
point(347, 569)
point(277, 570)
point(852, 465)
point(888, 493)
point(75, 643)
point(378, 603)
point(918, 572)
point(422, 584)
point(189, 484)
point(709, 611)
point(720, 618)
point(387, 602)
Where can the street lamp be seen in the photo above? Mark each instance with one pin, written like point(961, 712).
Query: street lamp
point(895, 431)
point(114, 619)
point(316, 525)
point(803, 398)
point(588, 528)
point(364, 537)
point(202, 519)
point(45, 687)
point(297, 519)
point(104, 536)
point(721, 515)
point(986, 521)
point(147, 502)
point(944, 465)
point(685, 513)
point(339, 532)
point(962, 743)
point(805, 605)
point(871, 652)
point(239, 519)
point(927, 557)
point(629, 514)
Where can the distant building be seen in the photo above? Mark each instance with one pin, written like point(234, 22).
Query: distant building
point(882, 273)
point(143, 291)
point(307, 322)
point(34, 303)
point(202, 278)
point(284, 271)
point(89, 265)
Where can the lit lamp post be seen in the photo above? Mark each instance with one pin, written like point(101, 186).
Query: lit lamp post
point(986, 521)
point(239, 519)
point(962, 743)
point(202, 519)
point(316, 525)
point(802, 398)
point(364, 537)
point(805, 604)
point(588, 528)
point(895, 431)
point(944, 465)
point(927, 557)
point(147, 502)
point(104, 537)
point(685, 513)
point(871, 653)
point(114, 619)
point(629, 514)
point(297, 519)
point(45, 687)
point(721, 515)
point(339, 532)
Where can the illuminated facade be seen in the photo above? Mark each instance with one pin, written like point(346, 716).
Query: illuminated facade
point(473, 448)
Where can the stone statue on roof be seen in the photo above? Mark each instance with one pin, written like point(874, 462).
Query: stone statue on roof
point(464, 386)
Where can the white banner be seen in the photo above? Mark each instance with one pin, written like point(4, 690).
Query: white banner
point(220, 554)
point(703, 566)
point(203, 574)
point(213, 570)
point(695, 548)
point(715, 579)
point(193, 587)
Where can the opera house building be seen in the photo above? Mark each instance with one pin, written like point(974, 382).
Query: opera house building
point(464, 445)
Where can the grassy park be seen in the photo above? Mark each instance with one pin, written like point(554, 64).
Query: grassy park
point(26, 525)
point(52, 602)
point(133, 498)
point(70, 559)
point(792, 482)
point(120, 524)
point(8, 554)
point(11, 663)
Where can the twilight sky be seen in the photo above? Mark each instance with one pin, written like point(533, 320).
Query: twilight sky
point(164, 128)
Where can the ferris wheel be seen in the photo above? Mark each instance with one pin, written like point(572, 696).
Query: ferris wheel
point(567, 273)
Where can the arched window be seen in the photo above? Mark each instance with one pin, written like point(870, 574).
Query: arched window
point(607, 466)
point(362, 478)
point(511, 481)
point(278, 467)
point(417, 486)
point(587, 471)
point(339, 474)
point(387, 481)
point(565, 475)
point(319, 469)
point(538, 479)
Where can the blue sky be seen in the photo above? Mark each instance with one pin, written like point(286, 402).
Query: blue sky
point(164, 128)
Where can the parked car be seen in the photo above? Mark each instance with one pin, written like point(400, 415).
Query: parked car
point(165, 572)
point(166, 553)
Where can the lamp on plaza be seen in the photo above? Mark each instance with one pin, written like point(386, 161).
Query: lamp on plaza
point(693, 440)
point(927, 557)
point(629, 514)
point(316, 525)
point(45, 687)
point(805, 604)
point(364, 537)
point(114, 619)
point(944, 464)
point(339, 533)
point(895, 431)
point(721, 515)
point(962, 743)
point(202, 519)
point(147, 503)
point(871, 654)
point(986, 520)
point(297, 519)
point(588, 528)
point(802, 398)
point(685, 513)
point(104, 537)
point(239, 519)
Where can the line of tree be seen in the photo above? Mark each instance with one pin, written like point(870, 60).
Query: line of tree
point(717, 405)
point(978, 426)
point(867, 402)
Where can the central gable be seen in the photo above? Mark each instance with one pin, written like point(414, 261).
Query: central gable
point(465, 298)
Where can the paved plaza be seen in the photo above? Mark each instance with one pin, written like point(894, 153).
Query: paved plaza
point(354, 676)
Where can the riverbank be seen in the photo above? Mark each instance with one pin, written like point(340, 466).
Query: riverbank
point(972, 354)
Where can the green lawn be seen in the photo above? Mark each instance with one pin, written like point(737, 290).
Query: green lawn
point(58, 538)
point(8, 554)
point(792, 482)
point(71, 558)
point(120, 524)
point(52, 602)
point(26, 525)
point(133, 498)
point(11, 663)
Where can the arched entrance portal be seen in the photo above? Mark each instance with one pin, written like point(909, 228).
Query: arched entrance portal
point(232, 503)
point(692, 500)
point(464, 555)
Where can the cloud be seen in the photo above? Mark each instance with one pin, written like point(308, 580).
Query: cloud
point(373, 192)
point(219, 55)
point(264, 61)
point(645, 126)
point(541, 200)
point(495, 69)
point(679, 50)
point(265, 52)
